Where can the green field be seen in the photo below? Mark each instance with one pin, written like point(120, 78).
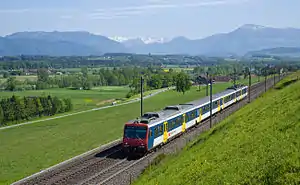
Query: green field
point(82, 99)
point(31, 148)
point(260, 144)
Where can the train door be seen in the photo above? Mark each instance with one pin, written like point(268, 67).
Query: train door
point(241, 94)
point(183, 123)
point(235, 97)
point(165, 137)
point(150, 138)
point(223, 102)
point(219, 105)
point(200, 115)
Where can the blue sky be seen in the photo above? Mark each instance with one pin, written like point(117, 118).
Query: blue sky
point(155, 18)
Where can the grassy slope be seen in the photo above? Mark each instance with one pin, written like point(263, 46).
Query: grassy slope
point(260, 144)
point(82, 99)
point(28, 149)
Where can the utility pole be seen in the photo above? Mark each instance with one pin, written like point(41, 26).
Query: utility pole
point(265, 80)
point(210, 121)
point(274, 78)
point(249, 87)
point(234, 77)
point(142, 82)
point(206, 83)
point(279, 74)
point(199, 83)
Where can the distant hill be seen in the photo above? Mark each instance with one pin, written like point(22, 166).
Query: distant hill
point(58, 43)
point(280, 51)
point(240, 41)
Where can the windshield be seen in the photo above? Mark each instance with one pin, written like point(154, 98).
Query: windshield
point(135, 132)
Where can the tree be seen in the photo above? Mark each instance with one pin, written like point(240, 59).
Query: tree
point(18, 107)
point(43, 75)
point(68, 104)
point(246, 72)
point(8, 111)
point(183, 82)
point(63, 106)
point(11, 84)
point(156, 81)
point(5, 75)
point(38, 107)
point(56, 106)
point(43, 79)
point(84, 72)
point(168, 80)
point(1, 115)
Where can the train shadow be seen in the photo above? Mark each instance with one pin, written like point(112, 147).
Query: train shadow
point(117, 153)
point(113, 153)
point(133, 157)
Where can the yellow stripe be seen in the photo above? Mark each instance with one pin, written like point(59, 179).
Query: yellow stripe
point(165, 138)
point(223, 103)
point(183, 124)
point(200, 115)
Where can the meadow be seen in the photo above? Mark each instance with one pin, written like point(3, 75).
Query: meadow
point(31, 148)
point(81, 99)
point(259, 144)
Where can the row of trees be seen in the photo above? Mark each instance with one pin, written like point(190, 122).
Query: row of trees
point(181, 80)
point(86, 79)
point(112, 60)
point(16, 109)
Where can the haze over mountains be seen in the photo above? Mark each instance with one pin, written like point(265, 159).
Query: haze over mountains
point(238, 42)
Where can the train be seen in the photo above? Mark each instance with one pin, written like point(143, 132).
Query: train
point(154, 129)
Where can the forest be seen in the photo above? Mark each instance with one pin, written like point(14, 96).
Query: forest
point(15, 109)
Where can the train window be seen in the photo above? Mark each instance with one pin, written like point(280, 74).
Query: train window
point(206, 108)
point(178, 121)
point(156, 132)
point(215, 104)
point(150, 133)
point(227, 99)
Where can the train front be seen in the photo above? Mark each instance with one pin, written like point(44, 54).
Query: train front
point(135, 138)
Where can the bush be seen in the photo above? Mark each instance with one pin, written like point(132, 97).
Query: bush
point(129, 94)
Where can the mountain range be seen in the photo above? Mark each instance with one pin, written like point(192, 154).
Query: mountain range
point(240, 41)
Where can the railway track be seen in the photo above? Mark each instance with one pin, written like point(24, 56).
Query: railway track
point(111, 166)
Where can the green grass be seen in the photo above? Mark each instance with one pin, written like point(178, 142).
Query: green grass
point(288, 80)
point(82, 99)
point(178, 69)
point(23, 78)
point(30, 148)
point(260, 144)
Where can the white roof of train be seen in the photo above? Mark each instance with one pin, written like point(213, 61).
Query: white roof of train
point(170, 111)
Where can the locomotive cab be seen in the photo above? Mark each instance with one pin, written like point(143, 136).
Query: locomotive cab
point(135, 138)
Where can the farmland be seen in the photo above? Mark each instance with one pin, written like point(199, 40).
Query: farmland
point(48, 143)
point(260, 144)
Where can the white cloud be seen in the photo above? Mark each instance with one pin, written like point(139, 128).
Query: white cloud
point(145, 7)
point(152, 5)
point(14, 11)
